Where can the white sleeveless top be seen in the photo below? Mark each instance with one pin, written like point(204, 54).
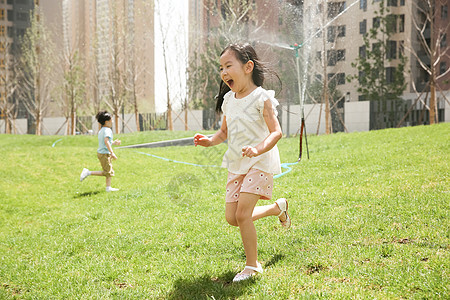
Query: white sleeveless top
point(247, 127)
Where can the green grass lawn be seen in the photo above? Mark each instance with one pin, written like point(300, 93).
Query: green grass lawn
point(370, 215)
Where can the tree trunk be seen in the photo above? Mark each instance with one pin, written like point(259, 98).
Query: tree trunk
point(433, 71)
point(433, 106)
point(116, 121)
point(186, 128)
point(72, 121)
point(38, 123)
point(136, 116)
point(169, 115)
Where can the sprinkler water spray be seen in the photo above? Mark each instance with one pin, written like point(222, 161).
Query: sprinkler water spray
point(296, 48)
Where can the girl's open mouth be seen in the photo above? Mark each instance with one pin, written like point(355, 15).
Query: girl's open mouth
point(230, 83)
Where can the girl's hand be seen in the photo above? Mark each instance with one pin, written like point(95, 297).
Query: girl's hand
point(249, 151)
point(113, 156)
point(117, 142)
point(202, 140)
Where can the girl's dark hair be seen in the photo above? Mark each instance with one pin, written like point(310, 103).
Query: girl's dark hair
point(103, 116)
point(244, 53)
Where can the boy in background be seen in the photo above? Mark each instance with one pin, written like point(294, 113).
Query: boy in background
point(105, 153)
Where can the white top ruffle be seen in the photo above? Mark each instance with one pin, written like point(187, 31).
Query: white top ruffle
point(247, 127)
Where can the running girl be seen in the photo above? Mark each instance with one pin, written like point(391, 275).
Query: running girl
point(251, 126)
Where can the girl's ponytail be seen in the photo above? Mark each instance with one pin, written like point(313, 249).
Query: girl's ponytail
point(223, 89)
point(244, 53)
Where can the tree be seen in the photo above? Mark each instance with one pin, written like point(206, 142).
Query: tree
point(8, 84)
point(432, 39)
point(74, 88)
point(237, 21)
point(36, 64)
point(117, 54)
point(164, 31)
point(326, 64)
point(380, 68)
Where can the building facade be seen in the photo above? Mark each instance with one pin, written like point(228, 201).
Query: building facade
point(14, 21)
point(106, 35)
point(339, 27)
point(113, 35)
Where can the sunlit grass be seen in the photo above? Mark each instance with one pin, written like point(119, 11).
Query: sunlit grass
point(370, 220)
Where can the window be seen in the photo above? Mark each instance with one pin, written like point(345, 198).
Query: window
point(361, 75)
point(2, 14)
point(2, 30)
point(402, 2)
point(223, 10)
point(391, 51)
point(443, 40)
point(391, 23)
point(319, 55)
point(363, 27)
point(392, 2)
point(340, 56)
point(442, 67)
point(20, 32)
point(390, 74)
point(362, 51)
point(363, 4)
point(335, 8)
point(319, 77)
point(331, 76)
point(331, 34)
point(376, 48)
point(319, 8)
point(319, 32)
point(10, 15)
point(401, 48)
point(401, 23)
point(332, 57)
point(22, 17)
point(340, 78)
point(341, 31)
point(444, 12)
point(376, 22)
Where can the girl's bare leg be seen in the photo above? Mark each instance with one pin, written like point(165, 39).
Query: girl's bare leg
point(258, 212)
point(267, 210)
point(244, 218)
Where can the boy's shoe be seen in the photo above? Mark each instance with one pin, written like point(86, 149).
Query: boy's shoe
point(111, 189)
point(283, 205)
point(84, 174)
point(241, 277)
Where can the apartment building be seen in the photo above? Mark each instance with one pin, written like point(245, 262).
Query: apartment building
point(93, 28)
point(101, 30)
point(14, 21)
point(339, 27)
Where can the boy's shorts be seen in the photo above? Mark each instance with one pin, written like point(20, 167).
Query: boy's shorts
point(255, 182)
point(105, 161)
